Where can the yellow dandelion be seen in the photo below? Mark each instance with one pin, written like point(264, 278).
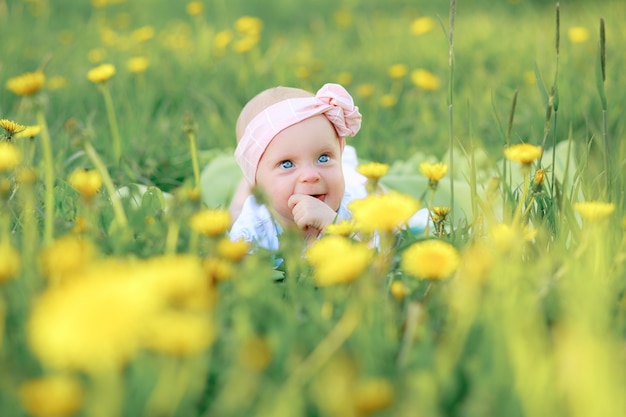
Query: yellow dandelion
point(425, 80)
point(398, 290)
point(10, 156)
point(234, 250)
point(343, 18)
point(430, 259)
point(67, 256)
point(194, 8)
point(29, 132)
point(372, 395)
point(249, 25)
point(96, 55)
point(383, 212)
point(143, 34)
point(594, 210)
point(422, 25)
point(364, 90)
point(246, 44)
point(218, 269)
point(540, 176)
point(101, 73)
point(530, 78)
point(178, 333)
point(92, 323)
point(397, 71)
point(337, 260)
point(578, 34)
point(222, 39)
point(26, 84)
point(210, 222)
point(137, 64)
point(524, 153)
point(52, 396)
point(506, 237)
point(344, 78)
point(174, 278)
point(476, 262)
point(11, 127)
point(9, 262)
point(87, 182)
point(440, 213)
point(56, 83)
point(388, 100)
point(25, 175)
point(255, 353)
point(434, 172)
point(343, 228)
point(373, 170)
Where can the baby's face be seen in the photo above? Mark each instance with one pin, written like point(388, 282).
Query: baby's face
point(304, 158)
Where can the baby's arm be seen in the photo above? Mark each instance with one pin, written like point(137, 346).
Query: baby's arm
point(311, 213)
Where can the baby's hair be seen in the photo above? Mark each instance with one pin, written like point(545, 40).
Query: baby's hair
point(262, 101)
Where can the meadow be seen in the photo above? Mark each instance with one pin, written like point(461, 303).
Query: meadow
point(121, 295)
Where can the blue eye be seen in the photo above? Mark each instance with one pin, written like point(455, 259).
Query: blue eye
point(286, 164)
point(323, 158)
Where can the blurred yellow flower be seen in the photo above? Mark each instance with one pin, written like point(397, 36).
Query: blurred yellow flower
point(343, 17)
point(255, 354)
point(222, 39)
point(249, 25)
point(29, 132)
point(56, 83)
point(26, 84)
point(245, 44)
point(383, 212)
point(194, 8)
point(430, 259)
point(137, 64)
point(9, 263)
point(422, 25)
point(10, 156)
point(476, 261)
point(372, 395)
point(234, 250)
point(86, 181)
point(52, 396)
point(398, 290)
point(577, 34)
point(425, 80)
point(210, 222)
point(343, 228)
point(373, 170)
point(143, 34)
point(67, 256)
point(506, 237)
point(96, 55)
point(101, 73)
point(540, 176)
point(388, 100)
point(440, 213)
point(530, 78)
point(218, 269)
point(524, 153)
point(434, 172)
point(92, 323)
point(303, 72)
point(344, 78)
point(364, 90)
point(25, 175)
point(594, 210)
point(337, 260)
point(178, 333)
point(11, 127)
point(397, 71)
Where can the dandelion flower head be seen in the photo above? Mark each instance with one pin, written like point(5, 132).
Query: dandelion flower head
point(594, 210)
point(434, 172)
point(54, 395)
point(10, 156)
point(383, 212)
point(26, 84)
point(373, 170)
point(101, 73)
point(9, 261)
point(11, 127)
point(430, 259)
point(337, 260)
point(210, 222)
point(524, 153)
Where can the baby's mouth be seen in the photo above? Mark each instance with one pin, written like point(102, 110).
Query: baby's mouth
point(318, 196)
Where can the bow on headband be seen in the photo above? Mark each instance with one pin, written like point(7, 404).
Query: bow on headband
point(332, 100)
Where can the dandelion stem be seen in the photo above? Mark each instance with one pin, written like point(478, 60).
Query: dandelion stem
point(48, 178)
point(118, 209)
point(194, 157)
point(450, 109)
point(115, 134)
point(171, 240)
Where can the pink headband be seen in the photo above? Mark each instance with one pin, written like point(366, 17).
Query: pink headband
point(332, 100)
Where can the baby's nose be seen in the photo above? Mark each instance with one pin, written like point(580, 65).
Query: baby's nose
point(309, 173)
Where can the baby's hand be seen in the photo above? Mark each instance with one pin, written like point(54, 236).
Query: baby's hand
point(310, 213)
